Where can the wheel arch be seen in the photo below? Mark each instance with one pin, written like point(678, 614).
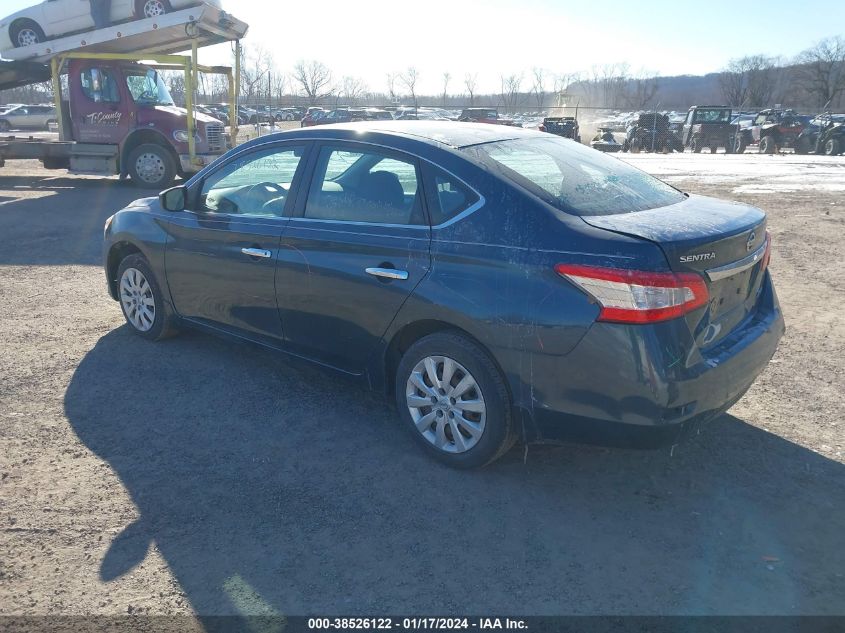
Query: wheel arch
point(117, 253)
point(402, 340)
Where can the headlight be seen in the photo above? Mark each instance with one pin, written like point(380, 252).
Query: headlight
point(181, 136)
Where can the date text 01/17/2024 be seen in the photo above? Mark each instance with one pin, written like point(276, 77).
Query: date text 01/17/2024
point(416, 624)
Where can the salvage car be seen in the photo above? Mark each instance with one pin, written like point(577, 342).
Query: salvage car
point(54, 18)
point(565, 126)
point(37, 117)
point(652, 133)
point(771, 130)
point(395, 253)
point(709, 126)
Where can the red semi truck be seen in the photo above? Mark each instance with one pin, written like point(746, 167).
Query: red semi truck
point(117, 116)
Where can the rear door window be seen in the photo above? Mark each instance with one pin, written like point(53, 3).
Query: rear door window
point(365, 186)
point(447, 196)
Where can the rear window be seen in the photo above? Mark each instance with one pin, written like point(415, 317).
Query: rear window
point(574, 178)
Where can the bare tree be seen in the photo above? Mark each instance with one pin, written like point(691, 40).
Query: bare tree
point(256, 63)
point(749, 80)
point(410, 78)
point(446, 78)
point(351, 89)
point(821, 70)
point(641, 90)
point(314, 79)
point(391, 87)
point(510, 90)
point(539, 87)
point(471, 82)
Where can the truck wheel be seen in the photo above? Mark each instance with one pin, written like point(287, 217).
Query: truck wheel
point(832, 148)
point(714, 149)
point(151, 166)
point(740, 144)
point(696, 145)
point(26, 33)
point(767, 145)
point(152, 8)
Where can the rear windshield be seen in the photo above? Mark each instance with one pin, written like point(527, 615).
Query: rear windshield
point(575, 178)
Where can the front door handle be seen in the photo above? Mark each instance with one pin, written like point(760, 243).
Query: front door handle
point(256, 252)
point(387, 273)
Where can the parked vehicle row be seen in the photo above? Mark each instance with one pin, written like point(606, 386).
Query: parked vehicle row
point(38, 117)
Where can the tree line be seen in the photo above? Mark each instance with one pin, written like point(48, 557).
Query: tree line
point(809, 81)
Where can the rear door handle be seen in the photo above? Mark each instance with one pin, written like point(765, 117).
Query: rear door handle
point(256, 252)
point(387, 273)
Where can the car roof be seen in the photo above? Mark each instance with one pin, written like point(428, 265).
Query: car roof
point(449, 133)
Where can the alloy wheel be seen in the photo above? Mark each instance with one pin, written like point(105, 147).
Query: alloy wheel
point(137, 299)
point(446, 404)
point(27, 37)
point(154, 8)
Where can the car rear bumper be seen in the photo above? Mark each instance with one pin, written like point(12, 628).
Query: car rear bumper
point(647, 376)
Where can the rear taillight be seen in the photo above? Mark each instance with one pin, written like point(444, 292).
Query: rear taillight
point(636, 296)
point(768, 254)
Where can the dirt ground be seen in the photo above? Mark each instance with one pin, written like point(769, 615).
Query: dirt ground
point(200, 476)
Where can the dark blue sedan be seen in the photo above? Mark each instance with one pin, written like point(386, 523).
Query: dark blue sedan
point(502, 284)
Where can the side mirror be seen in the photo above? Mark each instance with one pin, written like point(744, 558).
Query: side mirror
point(174, 199)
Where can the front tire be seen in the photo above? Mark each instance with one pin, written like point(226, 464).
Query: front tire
point(740, 144)
point(26, 33)
point(768, 145)
point(832, 147)
point(141, 300)
point(152, 166)
point(454, 401)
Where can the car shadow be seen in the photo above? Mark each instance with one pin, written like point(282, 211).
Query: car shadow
point(59, 220)
point(271, 487)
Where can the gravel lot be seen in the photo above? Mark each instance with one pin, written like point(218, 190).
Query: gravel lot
point(199, 476)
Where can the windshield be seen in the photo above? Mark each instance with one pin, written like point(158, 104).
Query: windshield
point(574, 178)
point(714, 115)
point(148, 88)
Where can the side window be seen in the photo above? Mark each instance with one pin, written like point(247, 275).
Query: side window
point(364, 186)
point(256, 184)
point(99, 86)
point(448, 197)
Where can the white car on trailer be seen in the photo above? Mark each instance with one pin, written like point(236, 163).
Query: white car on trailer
point(54, 18)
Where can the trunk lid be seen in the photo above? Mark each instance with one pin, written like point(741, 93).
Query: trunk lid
point(722, 241)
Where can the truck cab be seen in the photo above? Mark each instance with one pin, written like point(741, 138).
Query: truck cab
point(127, 106)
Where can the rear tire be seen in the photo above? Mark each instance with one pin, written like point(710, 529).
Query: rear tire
point(152, 8)
point(151, 166)
point(740, 144)
point(142, 301)
point(26, 33)
point(481, 415)
point(768, 145)
point(832, 147)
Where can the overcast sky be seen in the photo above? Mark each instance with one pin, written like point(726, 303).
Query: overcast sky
point(371, 38)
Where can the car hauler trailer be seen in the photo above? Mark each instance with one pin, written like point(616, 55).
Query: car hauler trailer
point(118, 117)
